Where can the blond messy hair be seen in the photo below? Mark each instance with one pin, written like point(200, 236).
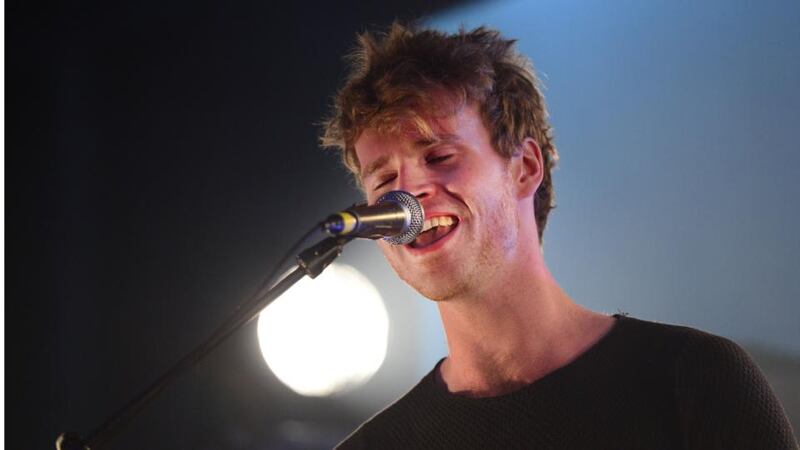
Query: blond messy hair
point(408, 75)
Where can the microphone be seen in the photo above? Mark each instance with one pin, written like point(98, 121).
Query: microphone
point(396, 216)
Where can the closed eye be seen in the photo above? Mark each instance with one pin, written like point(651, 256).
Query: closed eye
point(438, 159)
point(385, 182)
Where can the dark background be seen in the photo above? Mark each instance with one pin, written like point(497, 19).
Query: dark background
point(160, 157)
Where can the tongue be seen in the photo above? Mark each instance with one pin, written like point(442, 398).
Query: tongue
point(431, 236)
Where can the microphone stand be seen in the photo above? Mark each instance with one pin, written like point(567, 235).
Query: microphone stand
point(311, 262)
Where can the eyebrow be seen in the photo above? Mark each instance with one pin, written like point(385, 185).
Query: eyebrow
point(420, 144)
point(374, 166)
point(439, 139)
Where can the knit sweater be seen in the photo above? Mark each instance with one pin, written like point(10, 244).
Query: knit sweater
point(644, 385)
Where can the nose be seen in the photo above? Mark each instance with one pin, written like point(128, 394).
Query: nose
point(416, 182)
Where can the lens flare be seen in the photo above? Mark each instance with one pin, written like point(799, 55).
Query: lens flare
point(325, 335)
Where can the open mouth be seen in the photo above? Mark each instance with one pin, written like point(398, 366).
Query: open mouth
point(434, 229)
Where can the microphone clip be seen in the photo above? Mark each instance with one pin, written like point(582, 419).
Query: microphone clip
point(316, 258)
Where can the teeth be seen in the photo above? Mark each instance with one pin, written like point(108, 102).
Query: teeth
point(440, 221)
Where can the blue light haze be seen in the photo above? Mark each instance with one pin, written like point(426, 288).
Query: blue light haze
point(678, 186)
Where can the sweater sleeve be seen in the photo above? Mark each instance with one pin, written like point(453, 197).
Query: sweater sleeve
point(724, 401)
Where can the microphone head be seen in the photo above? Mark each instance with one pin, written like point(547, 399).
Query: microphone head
point(415, 216)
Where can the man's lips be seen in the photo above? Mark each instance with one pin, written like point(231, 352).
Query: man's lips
point(435, 228)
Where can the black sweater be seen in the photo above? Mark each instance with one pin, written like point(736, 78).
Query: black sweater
point(642, 386)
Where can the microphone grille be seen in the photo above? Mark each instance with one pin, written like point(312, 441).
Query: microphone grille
point(415, 216)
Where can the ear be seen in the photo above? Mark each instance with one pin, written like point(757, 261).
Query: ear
point(528, 168)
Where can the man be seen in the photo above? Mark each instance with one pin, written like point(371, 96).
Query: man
point(459, 121)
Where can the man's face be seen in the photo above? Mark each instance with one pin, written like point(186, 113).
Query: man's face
point(467, 193)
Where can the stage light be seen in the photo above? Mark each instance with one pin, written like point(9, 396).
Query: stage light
point(325, 335)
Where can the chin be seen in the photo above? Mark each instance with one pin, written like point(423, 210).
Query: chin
point(438, 289)
point(438, 278)
point(437, 294)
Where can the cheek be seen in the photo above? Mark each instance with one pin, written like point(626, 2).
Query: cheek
point(389, 251)
point(494, 204)
point(369, 198)
point(472, 181)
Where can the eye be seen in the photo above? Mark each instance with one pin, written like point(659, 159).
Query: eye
point(384, 182)
point(436, 159)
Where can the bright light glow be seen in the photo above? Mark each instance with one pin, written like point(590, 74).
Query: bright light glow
point(325, 335)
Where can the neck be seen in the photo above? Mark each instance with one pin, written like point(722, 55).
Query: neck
point(518, 329)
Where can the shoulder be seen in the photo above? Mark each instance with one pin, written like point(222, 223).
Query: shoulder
point(682, 347)
point(639, 343)
point(722, 398)
point(389, 427)
point(660, 331)
point(698, 362)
